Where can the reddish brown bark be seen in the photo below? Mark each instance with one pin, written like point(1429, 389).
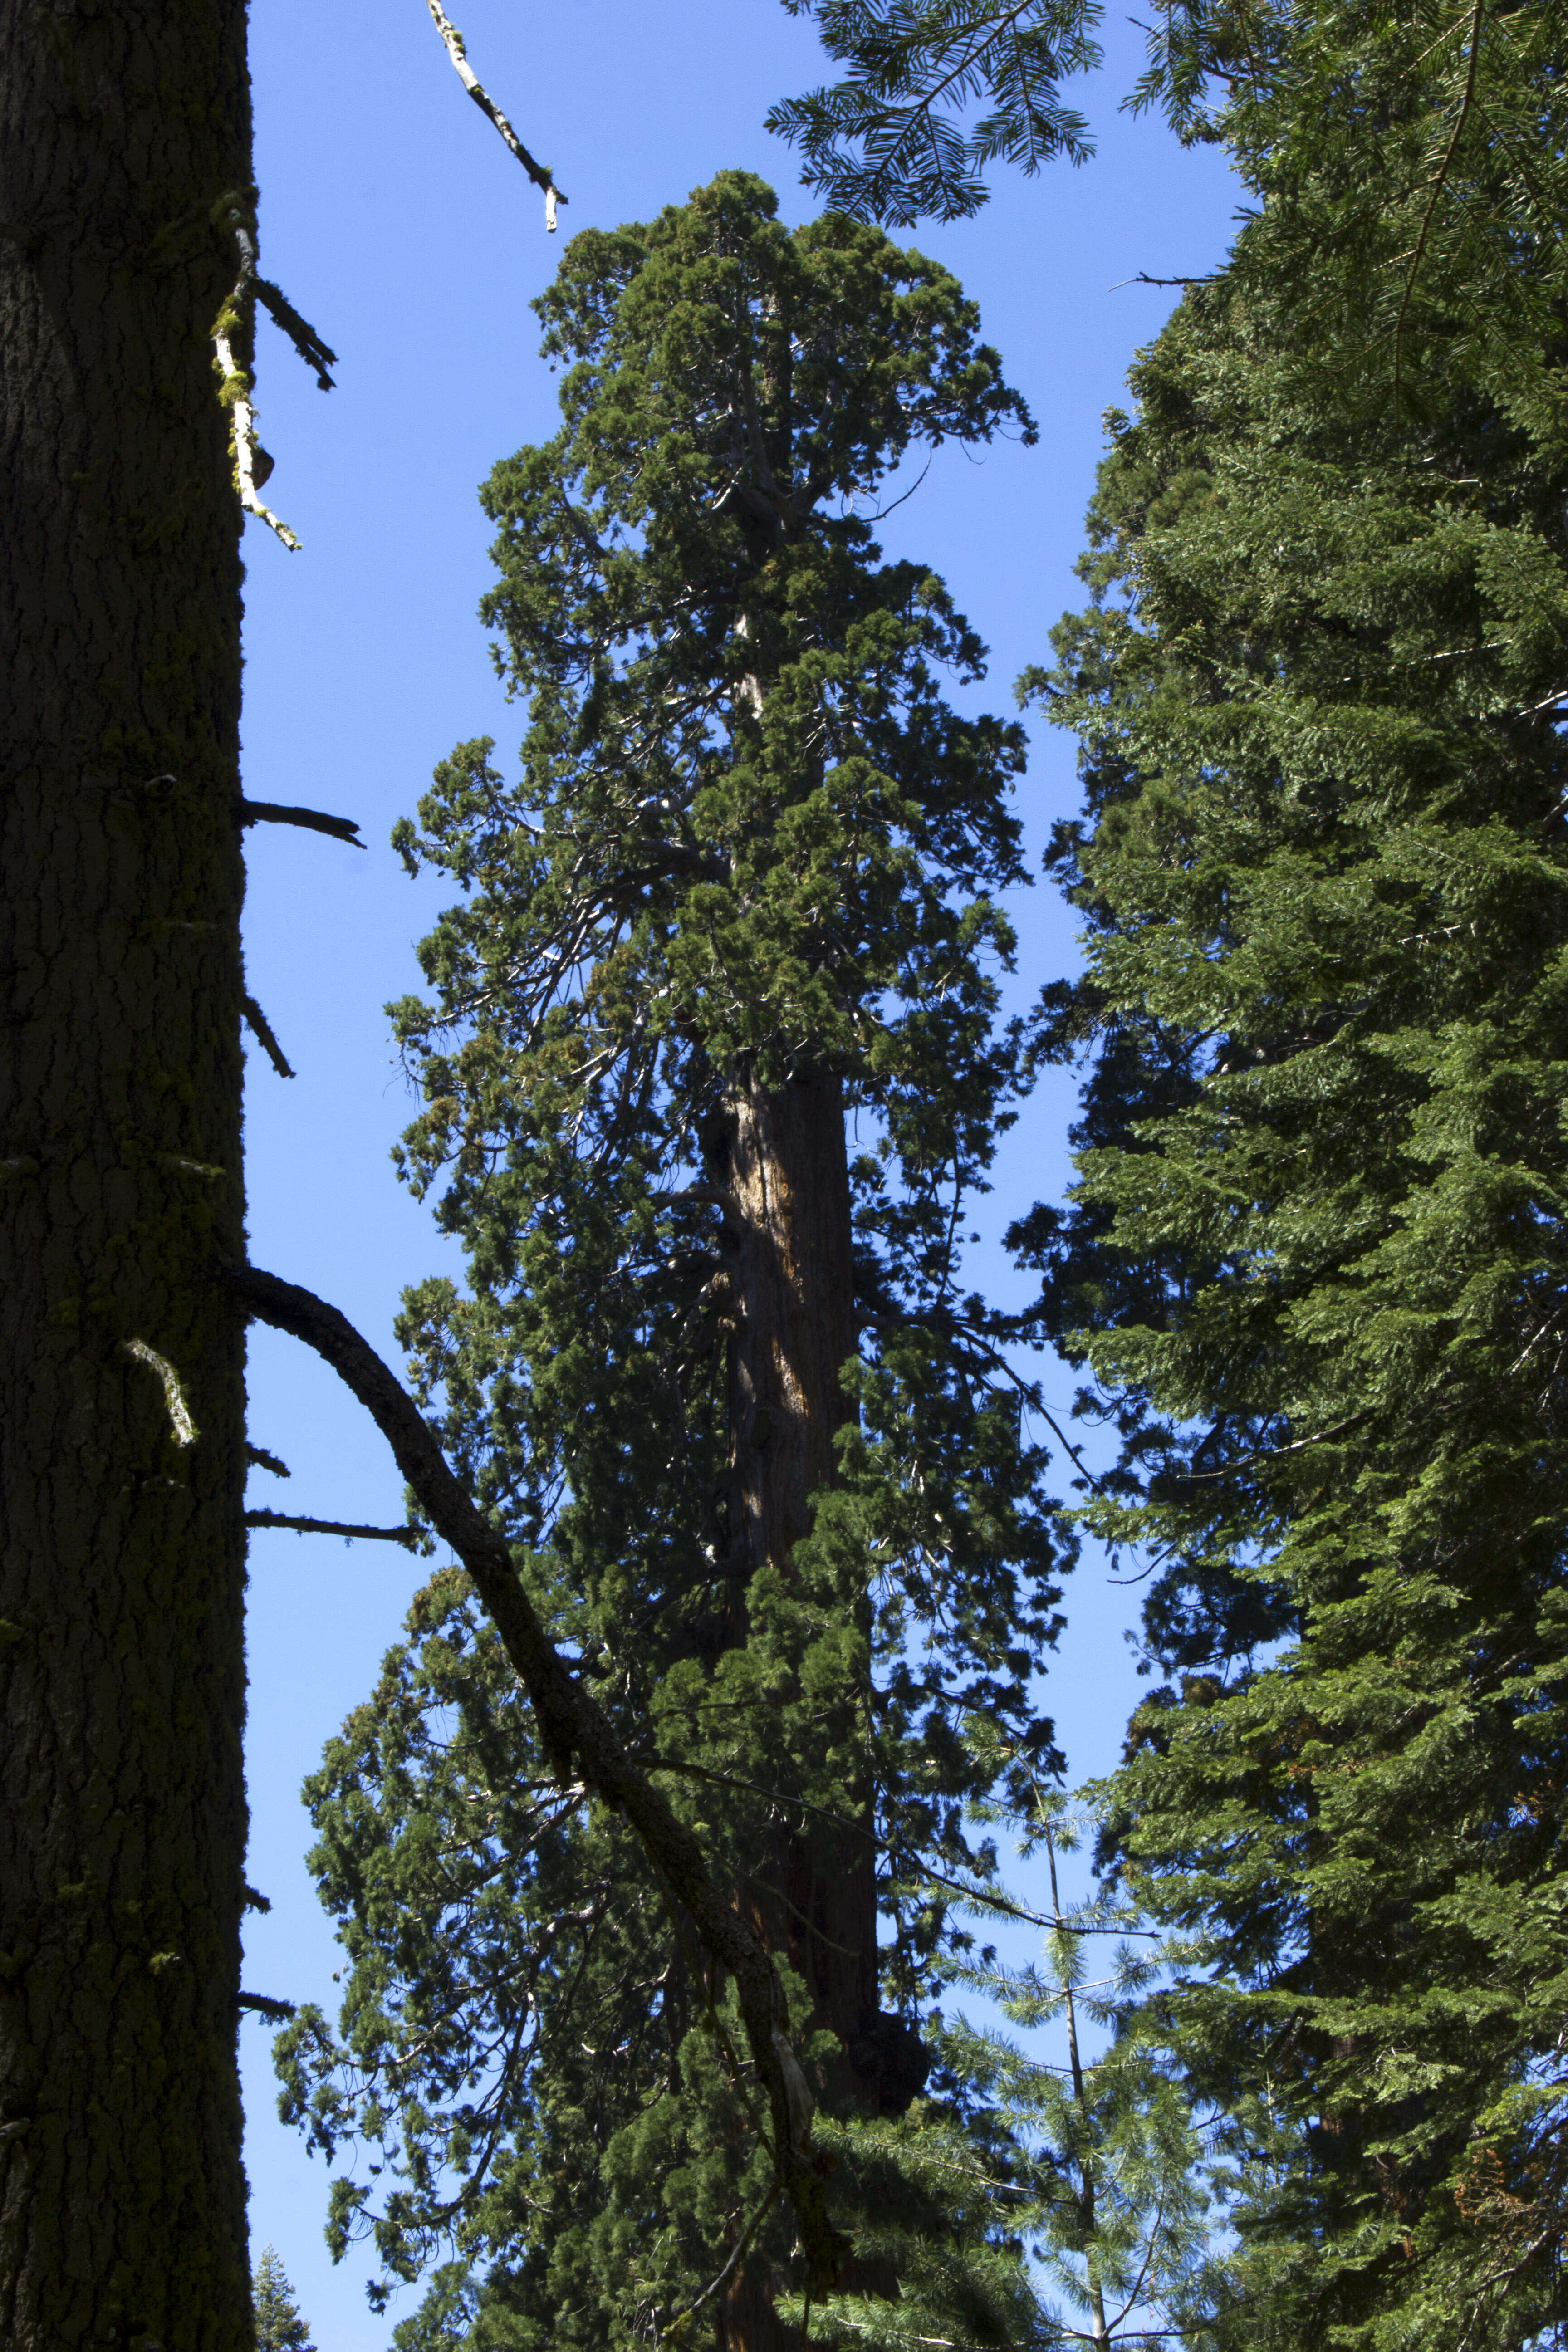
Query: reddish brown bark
point(793, 1290)
point(122, 125)
point(795, 1295)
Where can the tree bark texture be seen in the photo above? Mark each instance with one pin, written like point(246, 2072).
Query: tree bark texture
point(794, 1286)
point(124, 128)
point(795, 1295)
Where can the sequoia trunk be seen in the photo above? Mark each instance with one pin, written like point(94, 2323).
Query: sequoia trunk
point(125, 126)
point(796, 1295)
point(787, 1174)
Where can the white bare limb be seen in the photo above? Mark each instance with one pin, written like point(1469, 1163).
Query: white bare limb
point(538, 172)
point(235, 381)
point(184, 1427)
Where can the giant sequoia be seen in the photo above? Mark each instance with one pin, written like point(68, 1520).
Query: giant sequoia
point(711, 1064)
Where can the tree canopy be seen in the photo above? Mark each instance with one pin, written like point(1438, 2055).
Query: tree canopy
point(712, 1065)
point(711, 1061)
point(1316, 1268)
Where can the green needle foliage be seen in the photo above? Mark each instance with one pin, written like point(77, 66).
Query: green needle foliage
point(279, 2327)
point(710, 1066)
point(1316, 1268)
point(1408, 158)
point(1112, 2206)
point(892, 142)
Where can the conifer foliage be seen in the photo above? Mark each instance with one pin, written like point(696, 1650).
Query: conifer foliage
point(1316, 1261)
point(710, 1066)
point(1317, 1266)
point(279, 2327)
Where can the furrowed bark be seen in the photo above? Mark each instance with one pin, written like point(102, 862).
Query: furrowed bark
point(786, 1166)
point(124, 128)
point(578, 1739)
point(788, 1176)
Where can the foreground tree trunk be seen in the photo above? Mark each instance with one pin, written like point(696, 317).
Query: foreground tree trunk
point(124, 131)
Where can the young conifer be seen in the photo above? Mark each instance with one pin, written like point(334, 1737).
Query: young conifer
point(711, 1068)
point(279, 2327)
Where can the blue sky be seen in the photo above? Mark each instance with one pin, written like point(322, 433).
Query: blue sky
point(396, 222)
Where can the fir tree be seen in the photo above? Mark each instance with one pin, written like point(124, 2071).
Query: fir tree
point(1112, 2204)
point(711, 1068)
point(122, 1556)
point(1317, 1267)
point(279, 2327)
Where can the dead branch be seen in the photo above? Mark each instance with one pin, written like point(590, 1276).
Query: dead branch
point(538, 172)
point(341, 828)
point(408, 1537)
point(261, 1028)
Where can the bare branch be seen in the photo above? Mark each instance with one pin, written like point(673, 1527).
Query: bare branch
point(262, 1030)
point(301, 333)
point(183, 1427)
point(236, 382)
point(1144, 278)
point(538, 172)
point(408, 1537)
point(341, 828)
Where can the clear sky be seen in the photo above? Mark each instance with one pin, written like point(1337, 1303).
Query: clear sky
point(396, 222)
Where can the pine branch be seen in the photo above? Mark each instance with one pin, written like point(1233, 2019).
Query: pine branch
point(1438, 183)
point(263, 2003)
point(571, 1724)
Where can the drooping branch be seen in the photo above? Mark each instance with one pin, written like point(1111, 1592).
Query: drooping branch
point(538, 172)
point(574, 1731)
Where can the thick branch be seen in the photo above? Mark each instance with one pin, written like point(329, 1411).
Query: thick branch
point(341, 828)
point(573, 1727)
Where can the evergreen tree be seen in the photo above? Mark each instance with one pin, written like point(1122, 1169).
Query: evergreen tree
point(711, 1069)
point(279, 2327)
point(1112, 2201)
point(1317, 1267)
